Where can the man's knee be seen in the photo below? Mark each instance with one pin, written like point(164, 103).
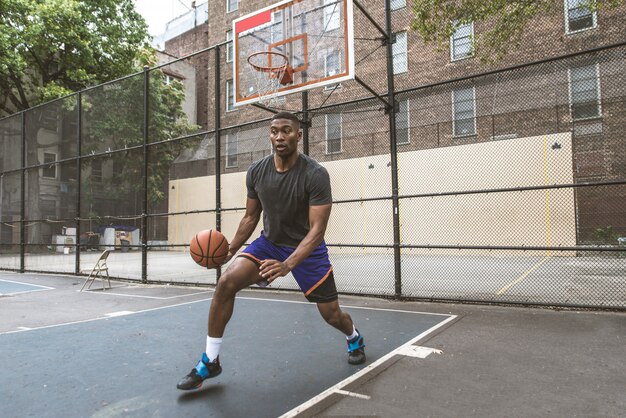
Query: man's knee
point(226, 287)
point(332, 315)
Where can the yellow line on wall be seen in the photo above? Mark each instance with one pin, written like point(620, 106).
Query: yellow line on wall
point(547, 195)
point(548, 224)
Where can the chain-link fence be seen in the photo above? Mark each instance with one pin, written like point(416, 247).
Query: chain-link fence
point(508, 186)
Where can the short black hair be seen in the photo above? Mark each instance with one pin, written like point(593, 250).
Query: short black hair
point(287, 115)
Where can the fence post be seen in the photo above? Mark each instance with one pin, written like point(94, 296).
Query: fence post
point(393, 151)
point(144, 208)
point(305, 122)
point(218, 153)
point(23, 194)
point(79, 107)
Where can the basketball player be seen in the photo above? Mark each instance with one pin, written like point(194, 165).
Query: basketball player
point(293, 192)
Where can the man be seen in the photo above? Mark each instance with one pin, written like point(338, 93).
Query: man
point(293, 192)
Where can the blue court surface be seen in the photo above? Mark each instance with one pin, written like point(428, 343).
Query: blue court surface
point(9, 287)
point(276, 356)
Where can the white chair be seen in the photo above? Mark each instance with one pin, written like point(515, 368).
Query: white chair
point(96, 271)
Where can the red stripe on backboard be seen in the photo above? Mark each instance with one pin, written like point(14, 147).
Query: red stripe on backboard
point(253, 21)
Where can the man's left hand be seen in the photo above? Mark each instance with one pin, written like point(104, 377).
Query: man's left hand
point(273, 269)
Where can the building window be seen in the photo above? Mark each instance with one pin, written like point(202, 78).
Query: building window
point(331, 15)
point(49, 118)
point(332, 63)
point(50, 169)
point(96, 171)
point(400, 63)
point(232, 5)
point(333, 133)
point(584, 91)
point(461, 42)
point(169, 79)
point(464, 112)
point(578, 16)
point(397, 4)
point(229, 46)
point(230, 96)
point(276, 32)
point(231, 150)
point(402, 123)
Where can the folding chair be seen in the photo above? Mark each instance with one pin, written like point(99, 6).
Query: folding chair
point(101, 266)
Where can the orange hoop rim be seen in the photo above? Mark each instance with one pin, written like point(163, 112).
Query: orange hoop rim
point(269, 68)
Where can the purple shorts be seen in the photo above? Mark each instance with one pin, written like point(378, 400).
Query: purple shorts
point(314, 274)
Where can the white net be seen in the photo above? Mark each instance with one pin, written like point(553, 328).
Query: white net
point(269, 70)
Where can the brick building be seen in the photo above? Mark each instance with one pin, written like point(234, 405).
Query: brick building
point(446, 98)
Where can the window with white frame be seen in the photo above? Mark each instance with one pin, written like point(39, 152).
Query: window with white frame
point(232, 5)
point(333, 133)
point(229, 46)
point(397, 4)
point(464, 112)
point(461, 41)
point(331, 15)
point(50, 169)
point(399, 50)
point(169, 79)
point(230, 96)
point(276, 32)
point(584, 92)
point(578, 16)
point(332, 63)
point(231, 150)
point(402, 123)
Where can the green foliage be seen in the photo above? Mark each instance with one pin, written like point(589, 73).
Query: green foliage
point(436, 21)
point(114, 119)
point(606, 236)
point(49, 48)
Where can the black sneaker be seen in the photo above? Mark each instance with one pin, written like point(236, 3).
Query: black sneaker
point(356, 350)
point(204, 370)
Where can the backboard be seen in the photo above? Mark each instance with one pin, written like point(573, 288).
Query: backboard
point(315, 36)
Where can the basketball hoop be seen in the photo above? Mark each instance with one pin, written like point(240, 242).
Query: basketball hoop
point(272, 70)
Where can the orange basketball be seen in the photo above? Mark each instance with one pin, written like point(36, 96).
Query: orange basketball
point(209, 248)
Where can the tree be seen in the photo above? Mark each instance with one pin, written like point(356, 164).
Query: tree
point(437, 20)
point(51, 48)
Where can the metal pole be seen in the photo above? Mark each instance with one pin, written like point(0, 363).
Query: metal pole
point(218, 154)
point(23, 193)
point(394, 153)
point(305, 122)
point(144, 208)
point(78, 179)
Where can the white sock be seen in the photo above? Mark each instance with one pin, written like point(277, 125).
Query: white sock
point(353, 335)
point(213, 347)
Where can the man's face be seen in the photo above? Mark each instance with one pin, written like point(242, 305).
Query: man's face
point(284, 134)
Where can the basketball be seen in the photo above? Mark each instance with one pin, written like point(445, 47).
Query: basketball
point(209, 248)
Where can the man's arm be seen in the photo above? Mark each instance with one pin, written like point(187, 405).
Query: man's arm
point(246, 226)
point(318, 220)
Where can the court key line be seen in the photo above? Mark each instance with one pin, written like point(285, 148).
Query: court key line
point(522, 277)
point(100, 292)
point(337, 389)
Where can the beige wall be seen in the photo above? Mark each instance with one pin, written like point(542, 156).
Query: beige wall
point(530, 218)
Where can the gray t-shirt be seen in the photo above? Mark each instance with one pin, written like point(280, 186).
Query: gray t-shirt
point(286, 197)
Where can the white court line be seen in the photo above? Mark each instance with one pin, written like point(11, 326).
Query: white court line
point(349, 306)
point(337, 388)
point(26, 284)
point(99, 318)
point(149, 297)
